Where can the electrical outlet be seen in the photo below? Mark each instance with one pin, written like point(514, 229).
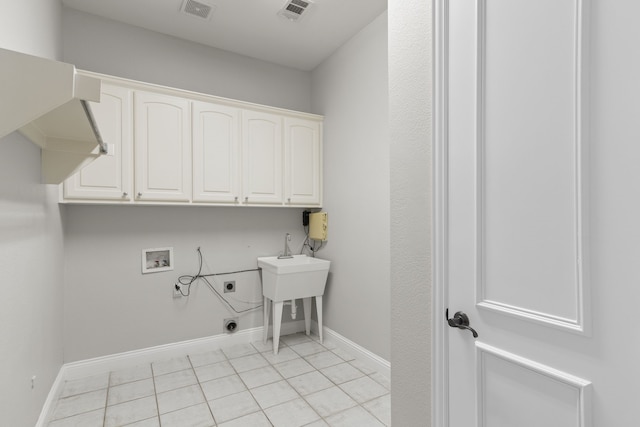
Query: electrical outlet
point(230, 325)
point(230, 286)
point(177, 291)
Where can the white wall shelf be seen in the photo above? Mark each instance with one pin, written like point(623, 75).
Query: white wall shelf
point(46, 101)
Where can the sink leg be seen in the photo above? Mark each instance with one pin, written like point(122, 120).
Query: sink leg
point(266, 305)
point(306, 303)
point(277, 321)
point(319, 312)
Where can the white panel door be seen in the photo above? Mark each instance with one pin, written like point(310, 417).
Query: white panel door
point(514, 239)
point(216, 153)
point(262, 158)
point(303, 162)
point(109, 177)
point(162, 147)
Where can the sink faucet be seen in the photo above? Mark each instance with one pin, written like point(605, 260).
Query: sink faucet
point(287, 251)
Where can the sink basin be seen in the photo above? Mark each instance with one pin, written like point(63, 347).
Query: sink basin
point(290, 278)
point(296, 264)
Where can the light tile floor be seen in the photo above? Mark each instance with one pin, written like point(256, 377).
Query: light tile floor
point(306, 384)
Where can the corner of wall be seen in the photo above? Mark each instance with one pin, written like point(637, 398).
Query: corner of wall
point(350, 89)
point(410, 122)
point(31, 255)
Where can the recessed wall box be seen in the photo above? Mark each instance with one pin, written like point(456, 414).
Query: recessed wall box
point(318, 226)
point(229, 286)
point(230, 325)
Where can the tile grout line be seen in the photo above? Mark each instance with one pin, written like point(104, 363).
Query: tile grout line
point(248, 389)
point(304, 398)
point(106, 402)
point(270, 363)
point(358, 404)
point(155, 393)
point(366, 401)
point(204, 396)
point(59, 398)
point(246, 386)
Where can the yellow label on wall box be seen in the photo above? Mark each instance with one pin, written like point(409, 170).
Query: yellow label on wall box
point(318, 226)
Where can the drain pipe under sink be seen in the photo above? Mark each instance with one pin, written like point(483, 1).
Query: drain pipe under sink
point(294, 308)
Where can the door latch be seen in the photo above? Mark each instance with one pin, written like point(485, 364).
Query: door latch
point(460, 321)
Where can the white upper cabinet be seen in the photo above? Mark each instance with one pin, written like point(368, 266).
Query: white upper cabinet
point(168, 146)
point(303, 162)
point(216, 153)
point(162, 147)
point(262, 158)
point(109, 176)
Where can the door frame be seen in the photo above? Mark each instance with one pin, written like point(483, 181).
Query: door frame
point(440, 194)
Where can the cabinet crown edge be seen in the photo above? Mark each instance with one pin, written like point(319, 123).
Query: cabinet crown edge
point(198, 96)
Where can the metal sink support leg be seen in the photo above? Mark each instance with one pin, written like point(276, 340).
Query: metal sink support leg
point(277, 321)
point(306, 303)
point(307, 315)
point(266, 308)
point(319, 313)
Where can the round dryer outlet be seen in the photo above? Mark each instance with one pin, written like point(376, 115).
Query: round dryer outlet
point(230, 325)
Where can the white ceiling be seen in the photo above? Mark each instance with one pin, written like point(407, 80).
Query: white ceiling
point(249, 27)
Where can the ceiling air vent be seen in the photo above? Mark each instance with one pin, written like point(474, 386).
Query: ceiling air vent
point(294, 9)
point(198, 9)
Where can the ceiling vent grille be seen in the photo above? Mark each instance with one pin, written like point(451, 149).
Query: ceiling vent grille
point(198, 9)
point(294, 9)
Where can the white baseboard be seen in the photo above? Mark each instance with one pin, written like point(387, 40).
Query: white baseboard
point(98, 365)
point(50, 402)
point(369, 359)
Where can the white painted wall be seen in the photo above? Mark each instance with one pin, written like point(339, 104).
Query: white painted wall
point(31, 245)
point(111, 307)
point(116, 308)
point(32, 27)
point(351, 90)
point(410, 129)
point(102, 45)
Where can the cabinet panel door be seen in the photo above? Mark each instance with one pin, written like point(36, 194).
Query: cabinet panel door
point(216, 153)
point(303, 162)
point(262, 158)
point(162, 147)
point(109, 176)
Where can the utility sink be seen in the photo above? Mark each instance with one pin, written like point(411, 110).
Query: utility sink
point(293, 264)
point(290, 278)
point(300, 276)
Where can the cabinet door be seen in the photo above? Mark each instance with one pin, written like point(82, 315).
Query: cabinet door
point(162, 147)
point(109, 176)
point(303, 162)
point(262, 158)
point(216, 153)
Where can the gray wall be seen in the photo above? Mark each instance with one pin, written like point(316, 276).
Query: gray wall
point(105, 46)
point(351, 90)
point(31, 246)
point(410, 129)
point(111, 307)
